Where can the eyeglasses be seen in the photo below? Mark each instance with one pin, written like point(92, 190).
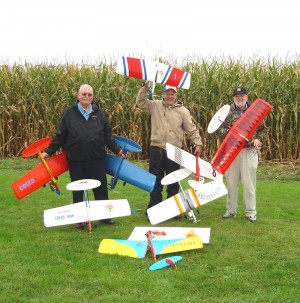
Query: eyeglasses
point(86, 94)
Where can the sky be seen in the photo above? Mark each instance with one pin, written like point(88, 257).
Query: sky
point(86, 31)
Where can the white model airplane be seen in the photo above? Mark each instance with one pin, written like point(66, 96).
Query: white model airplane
point(86, 211)
point(186, 200)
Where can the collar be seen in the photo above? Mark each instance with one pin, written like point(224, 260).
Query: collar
point(85, 113)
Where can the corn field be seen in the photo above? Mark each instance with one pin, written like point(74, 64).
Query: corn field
point(33, 97)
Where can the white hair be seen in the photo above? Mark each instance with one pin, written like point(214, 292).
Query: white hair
point(85, 85)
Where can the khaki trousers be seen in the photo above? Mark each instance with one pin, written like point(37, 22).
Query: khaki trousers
point(243, 168)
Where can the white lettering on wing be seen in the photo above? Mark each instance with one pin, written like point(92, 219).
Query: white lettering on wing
point(26, 184)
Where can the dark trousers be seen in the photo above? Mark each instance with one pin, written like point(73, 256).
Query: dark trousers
point(93, 169)
point(160, 165)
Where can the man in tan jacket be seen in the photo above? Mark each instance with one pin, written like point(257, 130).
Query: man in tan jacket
point(170, 120)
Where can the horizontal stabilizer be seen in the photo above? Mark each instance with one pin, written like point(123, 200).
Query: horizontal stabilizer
point(176, 176)
point(36, 147)
point(128, 144)
point(170, 261)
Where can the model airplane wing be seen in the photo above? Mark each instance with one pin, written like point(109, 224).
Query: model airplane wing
point(129, 173)
point(239, 134)
point(137, 68)
point(153, 71)
point(168, 75)
point(138, 249)
point(133, 249)
point(79, 212)
point(168, 233)
point(188, 161)
point(185, 201)
point(169, 246)
point(39, 176)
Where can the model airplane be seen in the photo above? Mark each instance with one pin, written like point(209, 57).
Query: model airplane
point(153, 71)
point(185, 201)
point(239, 134)
point(86, 211)
point(48, 170)
point(138, 249)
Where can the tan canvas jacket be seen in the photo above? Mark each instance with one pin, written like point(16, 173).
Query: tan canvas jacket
point(168, 123)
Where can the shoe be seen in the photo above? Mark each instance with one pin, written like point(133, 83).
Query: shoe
point(81, 225)
point(228, 215)
point(252, 218)
point(108, 221)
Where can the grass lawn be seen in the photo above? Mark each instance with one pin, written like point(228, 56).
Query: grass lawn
point(244, 262)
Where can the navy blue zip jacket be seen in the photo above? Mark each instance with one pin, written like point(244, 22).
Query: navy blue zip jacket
point(82, 139)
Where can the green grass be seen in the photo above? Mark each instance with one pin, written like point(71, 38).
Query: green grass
point(244, 262)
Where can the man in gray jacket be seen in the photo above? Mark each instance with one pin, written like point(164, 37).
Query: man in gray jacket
point(170, 120)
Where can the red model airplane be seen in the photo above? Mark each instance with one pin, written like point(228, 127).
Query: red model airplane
point(240, 134)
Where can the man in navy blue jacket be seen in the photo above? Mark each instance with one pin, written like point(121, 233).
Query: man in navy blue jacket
point(84, 132)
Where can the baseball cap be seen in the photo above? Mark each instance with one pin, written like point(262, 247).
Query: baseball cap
point(170, 87)
point(240, 90)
